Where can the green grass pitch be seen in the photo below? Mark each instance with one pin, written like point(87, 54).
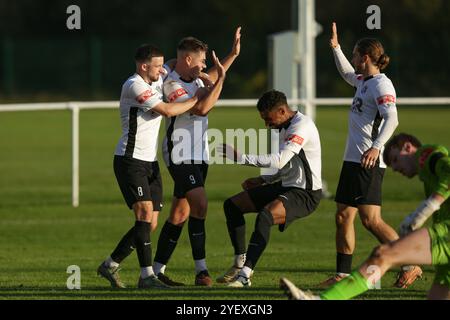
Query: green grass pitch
point(41, 234)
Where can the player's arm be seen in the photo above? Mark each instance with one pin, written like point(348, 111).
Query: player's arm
point(175, 108)
point(296, 137)
point(385, 99)
point(209, 99)
point(343, 65)
point(228, 60)
point(149, 100)
point(441, 167)
point(274, 160)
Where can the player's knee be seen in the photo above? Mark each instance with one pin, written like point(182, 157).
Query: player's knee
point(179, 216)
point(178, 221)
point(143, 210)
point(264, 221)
point(199, 209)
point(342, 219)
point(265, 218)
point(370, 224)
point(154, 226)
point(380, 254)
point(230, 209)
point(233, 214)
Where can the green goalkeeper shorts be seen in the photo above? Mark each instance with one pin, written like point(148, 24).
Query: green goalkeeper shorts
point(440, 251)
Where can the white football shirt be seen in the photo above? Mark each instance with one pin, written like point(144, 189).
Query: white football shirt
point(140, 125)
point(374, 98)
point(304, 169)
point(186, 138)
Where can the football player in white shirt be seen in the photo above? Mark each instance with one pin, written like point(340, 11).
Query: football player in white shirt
point(292, 193)
point(187, 157)
point(135, 163)
point(372, 121)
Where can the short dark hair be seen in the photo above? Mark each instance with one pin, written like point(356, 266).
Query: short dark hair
point(398, 141)
point(147, 52)
point(270, 100)
point(191, 44)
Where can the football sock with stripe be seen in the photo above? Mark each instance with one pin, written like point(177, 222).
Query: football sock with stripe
point(259, 238)
point(125, 247)
point(236, 226)
point(143, 244)
point(167, 243)
point(197, 236)
point(343, 263)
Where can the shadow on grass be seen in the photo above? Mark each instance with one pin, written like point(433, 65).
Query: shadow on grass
point(100, 293)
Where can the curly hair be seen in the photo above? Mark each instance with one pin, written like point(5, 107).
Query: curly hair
point(270, 100)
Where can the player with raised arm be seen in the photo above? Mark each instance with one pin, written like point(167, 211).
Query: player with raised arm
point(293, 192)
point(372, 121)
point(186, 152)
point(424, 246)
point(135, 162)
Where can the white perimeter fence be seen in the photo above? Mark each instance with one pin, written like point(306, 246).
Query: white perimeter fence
point(76, 106)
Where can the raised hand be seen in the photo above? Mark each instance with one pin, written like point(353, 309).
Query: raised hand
point(236, 49)
point(219, 67)
point(334, 38)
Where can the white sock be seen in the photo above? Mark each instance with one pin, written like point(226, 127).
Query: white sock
point(343, 275)
point(406, 268)
point(158, 267)
point(146, 272)
point(200, 265)
point(246, 272)
point(109, 263)
point(239, 260)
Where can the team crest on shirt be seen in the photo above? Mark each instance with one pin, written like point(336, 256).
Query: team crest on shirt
point(364, 90)
point(357, 104)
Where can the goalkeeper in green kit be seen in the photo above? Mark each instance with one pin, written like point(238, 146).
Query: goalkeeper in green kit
point(422, 246)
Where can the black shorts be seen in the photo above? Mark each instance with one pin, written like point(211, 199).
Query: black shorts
point(298, 202)
point(359, 186)
point(139, 181)
point(187, 176)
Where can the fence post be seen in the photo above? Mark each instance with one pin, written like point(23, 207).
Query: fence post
point(75, 153)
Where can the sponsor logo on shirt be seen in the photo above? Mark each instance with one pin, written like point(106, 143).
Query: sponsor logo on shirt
point(357, 104)
point(295, 139)
point(176, 94)
point(386, 99)
point(145, 96)
point(424, 156)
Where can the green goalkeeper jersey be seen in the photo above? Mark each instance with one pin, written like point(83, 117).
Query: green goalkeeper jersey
point(434, 171)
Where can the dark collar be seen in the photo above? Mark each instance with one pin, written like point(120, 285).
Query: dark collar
point(186, 81)
point(287, 123)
